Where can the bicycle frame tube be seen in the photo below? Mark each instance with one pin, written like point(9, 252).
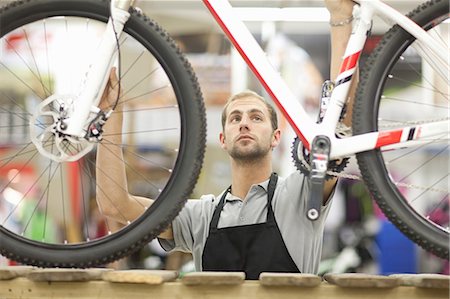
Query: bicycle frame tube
point(392, 139)
point(404, 137)
point(436, 46)
point(98, 73)
point(305, 128)
point(363, 23)
point(257, 61)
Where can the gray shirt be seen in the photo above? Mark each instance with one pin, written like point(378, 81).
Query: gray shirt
point(303, 238)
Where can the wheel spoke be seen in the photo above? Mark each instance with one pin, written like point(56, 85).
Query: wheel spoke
point(62, 208)
point(410, 183)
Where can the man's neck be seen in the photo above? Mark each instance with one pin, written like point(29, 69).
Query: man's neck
point(243, 176)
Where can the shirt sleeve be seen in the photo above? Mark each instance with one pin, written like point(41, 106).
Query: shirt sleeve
point(303, 238)
point(297, 187)
point(189, 225)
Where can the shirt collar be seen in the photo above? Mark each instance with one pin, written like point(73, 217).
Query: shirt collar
point(230, 197)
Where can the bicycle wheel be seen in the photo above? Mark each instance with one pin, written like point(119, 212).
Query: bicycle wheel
point(399, 88)
point(48, 210)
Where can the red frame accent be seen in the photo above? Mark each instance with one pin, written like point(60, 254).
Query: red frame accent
point(385, 138)
point(350, 62)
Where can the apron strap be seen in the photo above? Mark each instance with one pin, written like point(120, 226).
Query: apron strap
point(215, 219)
point(270, 192)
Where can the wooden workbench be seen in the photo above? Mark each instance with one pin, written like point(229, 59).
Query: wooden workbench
point(220, 285)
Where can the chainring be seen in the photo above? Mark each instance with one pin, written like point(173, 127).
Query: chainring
point(300, 155)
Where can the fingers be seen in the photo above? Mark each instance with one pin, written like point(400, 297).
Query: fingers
point(111, 90)
point(114, 89)
point(339, 7)
point(113, 80)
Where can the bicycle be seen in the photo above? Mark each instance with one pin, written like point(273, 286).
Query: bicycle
point(52, 127)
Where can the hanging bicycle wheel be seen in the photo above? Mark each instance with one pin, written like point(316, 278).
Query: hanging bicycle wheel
point(49, 214)
point(400, 88)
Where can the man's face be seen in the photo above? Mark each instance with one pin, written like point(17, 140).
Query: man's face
point(248, 134)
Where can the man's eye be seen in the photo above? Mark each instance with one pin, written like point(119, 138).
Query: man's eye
point(257, 118)
point(235, 119)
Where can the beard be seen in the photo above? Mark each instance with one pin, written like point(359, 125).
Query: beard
point(249, 154)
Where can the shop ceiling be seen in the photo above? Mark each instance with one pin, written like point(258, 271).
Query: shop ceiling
point(191, 16)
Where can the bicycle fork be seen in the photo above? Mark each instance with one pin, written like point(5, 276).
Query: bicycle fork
point(97, 75)
point(77, 120)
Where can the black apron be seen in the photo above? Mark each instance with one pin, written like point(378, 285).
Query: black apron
point(253, 248)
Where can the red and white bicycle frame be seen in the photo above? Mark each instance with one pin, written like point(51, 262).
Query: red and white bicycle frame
point(306, 128)
point(303, 125)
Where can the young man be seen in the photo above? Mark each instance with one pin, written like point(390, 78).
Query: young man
point(259, 223)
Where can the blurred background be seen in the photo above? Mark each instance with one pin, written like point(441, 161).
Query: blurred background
point(295, 36)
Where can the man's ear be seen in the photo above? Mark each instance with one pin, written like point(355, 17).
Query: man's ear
point(222, 141)
point(276, 138)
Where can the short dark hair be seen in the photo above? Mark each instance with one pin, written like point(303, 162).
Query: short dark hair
point(250, 94)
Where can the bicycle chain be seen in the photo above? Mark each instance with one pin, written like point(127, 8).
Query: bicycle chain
point(336, 169)
point(414, 122)
point(409, 186)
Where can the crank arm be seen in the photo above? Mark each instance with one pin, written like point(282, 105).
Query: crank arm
point(319, 157)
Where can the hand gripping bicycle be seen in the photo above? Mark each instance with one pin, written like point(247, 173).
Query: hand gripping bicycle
point(54, 64)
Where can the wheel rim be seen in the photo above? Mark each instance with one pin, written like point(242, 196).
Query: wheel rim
point(411, 95)
point(152, 134)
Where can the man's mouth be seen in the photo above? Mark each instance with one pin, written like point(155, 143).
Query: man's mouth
point(244, 137)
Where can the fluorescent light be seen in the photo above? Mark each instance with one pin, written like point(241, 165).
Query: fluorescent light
point(288, 14)
point(12, 196)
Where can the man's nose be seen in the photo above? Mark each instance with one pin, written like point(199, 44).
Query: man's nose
point(244, 124)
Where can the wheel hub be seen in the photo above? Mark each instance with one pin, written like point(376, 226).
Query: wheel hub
point(47, 130)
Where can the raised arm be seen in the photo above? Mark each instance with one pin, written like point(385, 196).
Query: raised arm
point(112, 189)
point(113, 198)
point(340, 31)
